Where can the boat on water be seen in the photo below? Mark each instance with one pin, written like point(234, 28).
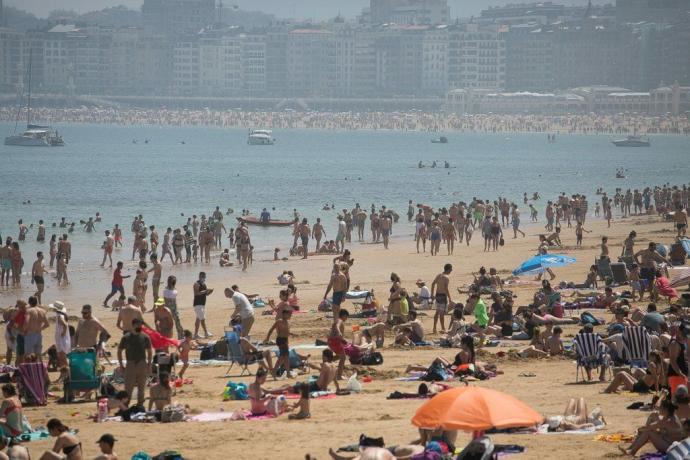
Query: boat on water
point(34, 135)
point(440, 140)
point(253, 220)
point(260, 137)
point(632, 141)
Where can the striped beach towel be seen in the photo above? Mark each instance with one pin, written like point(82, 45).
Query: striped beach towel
point(679, 450)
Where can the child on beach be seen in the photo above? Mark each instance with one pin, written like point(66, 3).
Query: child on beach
point(184, 347)
point(579, 228)
point(119, 303)
point(554, 344)
point(635, 285)
point(302, 404)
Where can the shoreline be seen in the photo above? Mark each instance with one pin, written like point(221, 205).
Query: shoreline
point(418, 122)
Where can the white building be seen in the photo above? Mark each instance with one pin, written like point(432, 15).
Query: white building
point(435, 61)
point(477, 57)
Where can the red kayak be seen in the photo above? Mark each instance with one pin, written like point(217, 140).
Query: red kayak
point(251, 220)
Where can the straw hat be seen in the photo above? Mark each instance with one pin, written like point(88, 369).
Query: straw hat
point(159, 301)
point(420, 282)
point(59, 307)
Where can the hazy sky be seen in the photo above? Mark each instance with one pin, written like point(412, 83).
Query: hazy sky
point(317, 9)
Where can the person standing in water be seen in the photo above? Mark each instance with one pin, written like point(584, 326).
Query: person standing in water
point(108, 245)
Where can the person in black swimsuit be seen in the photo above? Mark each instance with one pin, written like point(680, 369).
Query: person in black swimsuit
point(67, 446)
point(678, 366)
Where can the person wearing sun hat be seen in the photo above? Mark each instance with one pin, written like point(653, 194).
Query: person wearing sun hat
point(424, 296)
point(107, 443)
point(163, 318)
point(63, 341)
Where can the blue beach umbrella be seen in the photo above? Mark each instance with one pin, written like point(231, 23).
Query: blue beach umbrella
point(538, 264)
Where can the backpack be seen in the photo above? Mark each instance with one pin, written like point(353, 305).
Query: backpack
point(208, 352)
point(372, 359)
point(588, 318)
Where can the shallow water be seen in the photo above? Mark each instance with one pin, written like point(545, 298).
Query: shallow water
point(101, 169)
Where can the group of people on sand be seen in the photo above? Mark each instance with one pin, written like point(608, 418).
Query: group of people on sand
point(408, 121)
point(483, 313)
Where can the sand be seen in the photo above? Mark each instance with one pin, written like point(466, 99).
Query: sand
point(340, 421)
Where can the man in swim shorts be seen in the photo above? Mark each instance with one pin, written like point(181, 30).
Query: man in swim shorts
point(36, 322)
point(37, 271)
point(338, 284)
point(441, 293)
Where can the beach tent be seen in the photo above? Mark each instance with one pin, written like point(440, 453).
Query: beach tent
point(474, 409)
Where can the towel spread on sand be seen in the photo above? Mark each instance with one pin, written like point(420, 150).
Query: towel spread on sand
point(614, 437)
point(222, 416)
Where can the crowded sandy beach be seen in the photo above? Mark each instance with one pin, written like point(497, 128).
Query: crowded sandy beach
point(576, 314)
point(624, 123)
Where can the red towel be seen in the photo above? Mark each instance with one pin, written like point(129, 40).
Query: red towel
point(159, 341)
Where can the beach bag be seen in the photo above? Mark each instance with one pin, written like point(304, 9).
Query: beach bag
point(372, 359)
point(353, 384)
point(588, 318)
point(207, 353)
point(172, 414)
point(325, 305)
point(141, 456)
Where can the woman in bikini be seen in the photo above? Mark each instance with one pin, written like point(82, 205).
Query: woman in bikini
point(641, 381)
point(661, 433)
point(10, 412)
point(67, 446)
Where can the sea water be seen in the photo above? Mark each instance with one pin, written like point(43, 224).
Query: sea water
point(191, 170)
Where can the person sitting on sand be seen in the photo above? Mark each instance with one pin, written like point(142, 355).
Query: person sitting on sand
point(15, 451)
point(378, 332)
point(225, 259)
point(638, 380)
point(457, 327)
point(409, 333)
point(258, 397)
point(536, 347)
point(554, 239)
point(160, 394)
point(327, 375)
point(661, 433)
point(303, 404)
point(107, 444)
point(284, 278)
point(67, 446)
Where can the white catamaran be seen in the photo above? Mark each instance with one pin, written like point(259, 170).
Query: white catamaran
point(35, 135)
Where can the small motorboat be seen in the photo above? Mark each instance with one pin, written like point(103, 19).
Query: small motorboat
point(440, 140)
point(253, 220)
point(260, 137)
point(632, 141)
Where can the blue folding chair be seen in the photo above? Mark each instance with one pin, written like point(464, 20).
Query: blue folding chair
point(236, 354)
point(83, 370)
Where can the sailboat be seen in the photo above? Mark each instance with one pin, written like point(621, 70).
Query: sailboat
point(35, 135)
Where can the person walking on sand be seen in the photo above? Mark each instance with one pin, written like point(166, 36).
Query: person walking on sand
point(304, 232)
point(318, 232)
point(108, 246)
point(117, 284)
point(440, 292)
point(338, 284)
point(200, 294)
point(37, 275)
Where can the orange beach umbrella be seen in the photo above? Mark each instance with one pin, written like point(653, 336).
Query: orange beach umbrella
point(474, 409)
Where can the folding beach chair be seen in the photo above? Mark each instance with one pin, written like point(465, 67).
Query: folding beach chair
point(636, 346)
point(679, 450)
point(236, 354)
point(83, 370)
point(590, 352)
point(32, 383)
